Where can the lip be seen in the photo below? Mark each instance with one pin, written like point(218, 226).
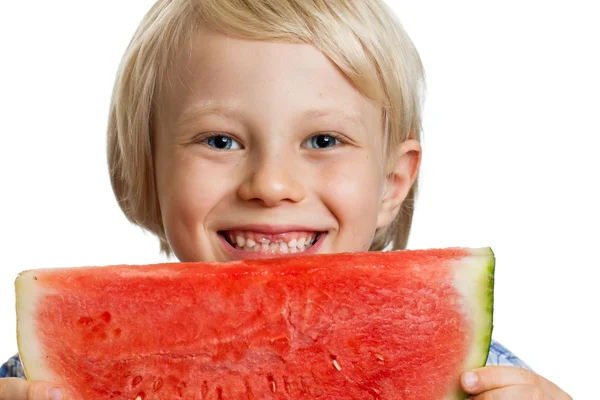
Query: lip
point(237, 254)
point(271, 229)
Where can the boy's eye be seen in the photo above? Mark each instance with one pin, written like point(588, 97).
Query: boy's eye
point(321, 141)
point(222, 142)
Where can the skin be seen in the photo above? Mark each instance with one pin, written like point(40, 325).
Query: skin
point(270, 100)
point(271, 177)
point(505, 383)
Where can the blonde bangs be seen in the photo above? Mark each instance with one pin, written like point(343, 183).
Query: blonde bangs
point(362, 38)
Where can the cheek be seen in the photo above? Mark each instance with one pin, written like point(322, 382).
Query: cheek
point(193, 184)
point(351, 191)
point(188, 189)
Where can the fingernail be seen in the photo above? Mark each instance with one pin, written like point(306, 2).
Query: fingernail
point(55, 394)
point(470, 379)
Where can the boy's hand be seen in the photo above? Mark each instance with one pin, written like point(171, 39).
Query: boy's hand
point(21, 389)
point(509, 383)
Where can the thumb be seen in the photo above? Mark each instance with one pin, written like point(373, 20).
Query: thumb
point(21, 389)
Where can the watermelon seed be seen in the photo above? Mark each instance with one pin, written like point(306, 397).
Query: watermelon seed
point(157, 385)
point(106, 316)
point(204, 389)
point(379, 357)
point(136, 381)
point(35, 278)
point(286, 384)
point(249, 393)
point(305, 388)
point(84, 321)
point(219, 393)
point(141, 396)
point(272, 381)
point(335, 363)
point(181, 387)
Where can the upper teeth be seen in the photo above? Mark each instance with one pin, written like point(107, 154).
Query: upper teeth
point(294, 245)
point(240, 241)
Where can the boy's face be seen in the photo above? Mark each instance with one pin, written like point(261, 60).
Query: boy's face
point(265, 149)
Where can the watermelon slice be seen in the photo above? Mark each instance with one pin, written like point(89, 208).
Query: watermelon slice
point(395, 325)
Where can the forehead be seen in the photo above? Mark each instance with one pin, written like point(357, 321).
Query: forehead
point(225, 75)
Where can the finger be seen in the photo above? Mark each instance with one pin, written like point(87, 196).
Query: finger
point(21, 389)
point(496, 377)
point(530, 392)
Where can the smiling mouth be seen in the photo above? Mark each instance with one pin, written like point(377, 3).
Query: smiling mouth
point(272, 244)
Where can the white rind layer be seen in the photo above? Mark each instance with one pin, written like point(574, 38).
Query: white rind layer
point(473, 278)
point(28, 291)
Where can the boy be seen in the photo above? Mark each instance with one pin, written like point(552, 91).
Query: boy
point(269, 127)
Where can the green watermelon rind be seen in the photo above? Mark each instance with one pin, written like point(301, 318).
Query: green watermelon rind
point(484, 264)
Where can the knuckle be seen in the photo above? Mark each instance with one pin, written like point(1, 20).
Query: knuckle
point(530, 378)
point(3, 390)
point(9, 389)
point(536, 380)
point(534, 393)
point(36, 391)
point(489, 377)
point(32, 393)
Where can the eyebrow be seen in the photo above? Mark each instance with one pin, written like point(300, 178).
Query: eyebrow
point(352, 118)
point(198, 110)
point(210, 108)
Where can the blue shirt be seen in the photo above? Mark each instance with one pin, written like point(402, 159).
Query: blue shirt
point(498, 355)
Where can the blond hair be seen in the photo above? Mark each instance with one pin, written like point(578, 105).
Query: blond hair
point(361, 37)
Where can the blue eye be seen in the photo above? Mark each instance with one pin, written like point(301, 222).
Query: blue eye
point(322, 141)
point(222, 142)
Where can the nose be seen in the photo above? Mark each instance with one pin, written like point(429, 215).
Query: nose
point(272, 181)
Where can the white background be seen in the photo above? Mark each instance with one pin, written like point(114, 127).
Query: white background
point(511, 157)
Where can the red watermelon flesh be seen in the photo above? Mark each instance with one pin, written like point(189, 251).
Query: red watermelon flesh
point(394, 325)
